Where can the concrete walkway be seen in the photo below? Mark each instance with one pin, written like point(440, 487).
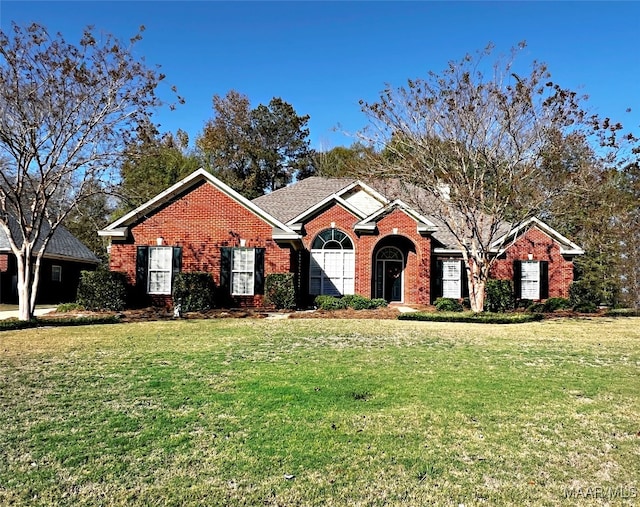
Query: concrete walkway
point(14, 313)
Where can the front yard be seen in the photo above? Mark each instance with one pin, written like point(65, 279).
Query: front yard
point(321, 412)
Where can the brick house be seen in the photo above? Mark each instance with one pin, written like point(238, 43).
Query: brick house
point(62, 263)
point(337, 236)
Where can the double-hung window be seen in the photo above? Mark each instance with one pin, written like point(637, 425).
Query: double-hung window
point(242, 271)
point(452, 279)
point(160, 270)
point(531, 279)
point(243, 267)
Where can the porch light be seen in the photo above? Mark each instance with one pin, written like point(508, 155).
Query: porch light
point(530, 256)
point(159, 240)
point(243, 243)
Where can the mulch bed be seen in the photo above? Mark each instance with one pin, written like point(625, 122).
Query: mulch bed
point(155, 314)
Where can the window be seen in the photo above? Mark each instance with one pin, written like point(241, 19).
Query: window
point(242, 271)
point(160, 270)
point(56, 273)
point(451, 279)
point(530, 280)
point(332, 269)
point(243, 262)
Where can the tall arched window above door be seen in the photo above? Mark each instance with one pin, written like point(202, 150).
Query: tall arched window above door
point(332, 268)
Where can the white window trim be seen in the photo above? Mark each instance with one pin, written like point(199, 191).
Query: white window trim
point(250, 287)
point(453, 291)
point(163, 269)
point(344, 283)
point(531, 292)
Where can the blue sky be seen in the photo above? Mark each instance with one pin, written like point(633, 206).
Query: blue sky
point(323, 57)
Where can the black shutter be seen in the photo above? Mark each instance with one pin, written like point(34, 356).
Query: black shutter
point(437, 280)
point(176, 263)
point(464, 280)
point(517, 279)
point(142, 254)
point(258, 284)
point(225, 270)
point(544, 280)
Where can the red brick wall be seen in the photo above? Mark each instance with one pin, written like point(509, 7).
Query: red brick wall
point(201, 222)
point(4, 262)
point(543, 248)
point(416, 274)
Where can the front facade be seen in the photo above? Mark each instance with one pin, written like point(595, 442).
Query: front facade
point(337, 236)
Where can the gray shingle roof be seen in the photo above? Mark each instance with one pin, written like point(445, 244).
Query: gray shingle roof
point(63, 245)
point(289, 202)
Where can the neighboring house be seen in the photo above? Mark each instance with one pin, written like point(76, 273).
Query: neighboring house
point(337, 236)
point(60, 269)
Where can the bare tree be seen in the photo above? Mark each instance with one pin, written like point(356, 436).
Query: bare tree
point(66, 111)
point(476, 144)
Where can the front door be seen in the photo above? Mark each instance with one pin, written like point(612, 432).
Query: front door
point(389, 271)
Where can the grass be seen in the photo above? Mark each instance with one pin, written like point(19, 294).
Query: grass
point(321, 412)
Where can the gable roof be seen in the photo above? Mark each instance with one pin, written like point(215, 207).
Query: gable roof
point(300, 200)
point(63, 245)
point(120, 227)
point(292, 201)
point(567, 247)
point(424, 225)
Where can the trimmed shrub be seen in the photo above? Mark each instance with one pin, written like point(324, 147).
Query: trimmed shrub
point(623, 312)
point(69, 307)
point(499, 296)
point(324, 302)
point(536, 308)
point(358, 302)
point(524, 303)
point(379, 303)
point(479, 318)
point(586, 307)
point(193, 292)
point(355, 301)
point(280, 290)
point(102, 290)
point(583, 295)
point(553, 304)
point(14, 324)
point(448, 305)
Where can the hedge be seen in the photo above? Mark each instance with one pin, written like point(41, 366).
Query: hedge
point(193, 291)
point(448, 305)
point(11, 324)
point(355, 301)
point(102, 290)
point(480, 318)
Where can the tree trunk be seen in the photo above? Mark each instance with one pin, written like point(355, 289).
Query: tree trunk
point(476, 294)
point(25, 309)
point(477, 280)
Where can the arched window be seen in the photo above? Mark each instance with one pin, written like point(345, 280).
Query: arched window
point(332, 264)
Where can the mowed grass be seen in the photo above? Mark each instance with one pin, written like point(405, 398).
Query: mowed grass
point(321, 412)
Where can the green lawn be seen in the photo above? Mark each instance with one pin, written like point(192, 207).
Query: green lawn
point(321, 412)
